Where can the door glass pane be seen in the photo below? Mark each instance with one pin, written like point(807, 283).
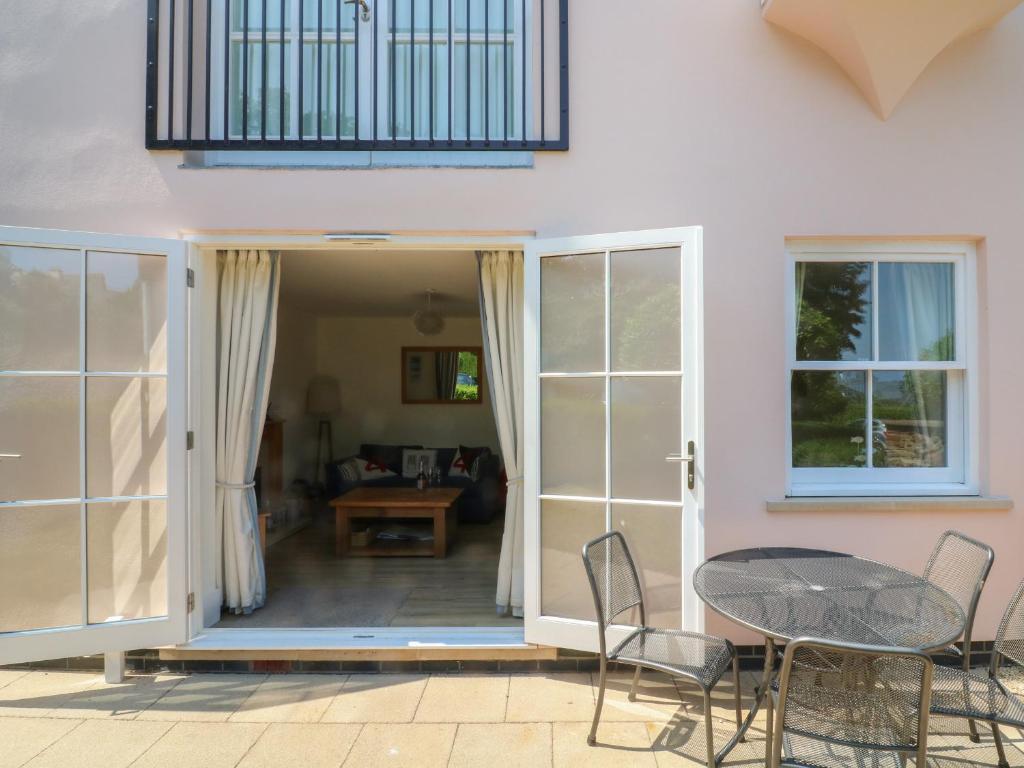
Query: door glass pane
point(572, 437)
point(654, 536)
point(833, 311)
point(39, 308)
point(127, 556)
point(645, 429)
point(910, 421)
point(572, 313)
point(126, 312)
point(915, 311)
point(645, 319)
point(126, 436)
point(829, 419)
point(39, 421)
point(565, 526)
point(40, 557)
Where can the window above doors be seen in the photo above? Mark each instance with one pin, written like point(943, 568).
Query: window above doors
point(381, 75)
point(881, 372)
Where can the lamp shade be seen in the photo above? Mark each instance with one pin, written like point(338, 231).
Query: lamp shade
point(323, 397)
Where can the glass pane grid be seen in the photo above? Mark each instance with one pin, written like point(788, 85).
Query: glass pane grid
point(874, 364)
point(121, 299)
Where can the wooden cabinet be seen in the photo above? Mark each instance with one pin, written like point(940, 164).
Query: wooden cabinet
point(271, 462)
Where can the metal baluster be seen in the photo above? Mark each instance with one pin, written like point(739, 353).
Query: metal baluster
point(337, 66)
point(281, 86)
point(355, 21)
point(430, 49)
point(469, 18)
point(245, 70)
point(450, 74)
point(563, 82)
point(376, 110)
point(319, 70)
point(412, 70)
point(487, 72)
point(170, 76)
point(522, 46)
point(209, 47)
point(188, 87)
point(393, 59)
point(302, 46)
point(504, 63)
point(543, 78)
point(227, 68)
point(263, 79)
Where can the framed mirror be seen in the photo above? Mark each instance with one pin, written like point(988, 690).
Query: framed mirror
point(442, 375)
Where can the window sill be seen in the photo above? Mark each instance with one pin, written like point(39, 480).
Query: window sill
point(890, 504)
point(320, 160)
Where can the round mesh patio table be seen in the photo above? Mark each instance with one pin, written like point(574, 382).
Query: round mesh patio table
point(784, 593)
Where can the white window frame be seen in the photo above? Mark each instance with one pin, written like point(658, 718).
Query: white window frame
point(960, 478)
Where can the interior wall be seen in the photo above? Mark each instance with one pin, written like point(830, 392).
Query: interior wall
point(364, 354)
point(295, 363)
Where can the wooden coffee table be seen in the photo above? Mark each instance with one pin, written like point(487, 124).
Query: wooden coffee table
point(367, 503)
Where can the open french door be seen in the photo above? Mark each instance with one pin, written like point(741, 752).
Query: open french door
point(93, 555)
point(612, 413)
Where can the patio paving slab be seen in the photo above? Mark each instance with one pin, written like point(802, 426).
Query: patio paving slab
point(202, 745)
point(121, 701)
point(290, 699)
point(550, 697)
point(464, 699)
point(38, 692)
point(210, 698)
point(619, 745)
point(101, 744)
point(25, 737)
point(403, 745)
point(510, 745)
point(307, 745)
point(376, 699)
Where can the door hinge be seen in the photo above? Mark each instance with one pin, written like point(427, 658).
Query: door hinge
point(190, 277)
point(190, 440)
point(190, 602)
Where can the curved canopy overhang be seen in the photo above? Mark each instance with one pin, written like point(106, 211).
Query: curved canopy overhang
point(884, 45)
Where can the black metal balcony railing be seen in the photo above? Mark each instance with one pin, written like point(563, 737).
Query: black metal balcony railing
point(357, 75)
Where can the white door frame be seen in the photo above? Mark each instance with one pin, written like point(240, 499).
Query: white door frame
point(88, 639)
point(573, 633)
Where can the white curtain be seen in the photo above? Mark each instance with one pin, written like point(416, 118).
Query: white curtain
point(501, 313)
point(249, 286)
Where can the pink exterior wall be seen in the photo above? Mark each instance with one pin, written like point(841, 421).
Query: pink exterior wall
point(684, 112)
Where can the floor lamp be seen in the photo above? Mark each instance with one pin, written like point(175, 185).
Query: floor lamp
point(323, 400)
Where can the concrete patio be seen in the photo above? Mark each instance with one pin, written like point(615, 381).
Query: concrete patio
point(308, 721)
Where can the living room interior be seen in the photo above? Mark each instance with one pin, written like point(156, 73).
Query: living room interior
point(378, 387)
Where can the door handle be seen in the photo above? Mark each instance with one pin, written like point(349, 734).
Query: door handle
point(9, 456)
point(690, 459)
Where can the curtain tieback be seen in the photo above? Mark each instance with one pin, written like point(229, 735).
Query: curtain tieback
point(236, 486)
point(514, 480)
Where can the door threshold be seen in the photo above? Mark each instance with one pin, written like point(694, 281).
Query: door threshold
point(360, 644)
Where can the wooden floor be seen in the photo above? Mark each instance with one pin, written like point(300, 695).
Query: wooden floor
point(308, 586)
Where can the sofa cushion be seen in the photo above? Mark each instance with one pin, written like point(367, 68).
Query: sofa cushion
point(389, 456)
point(465, 462)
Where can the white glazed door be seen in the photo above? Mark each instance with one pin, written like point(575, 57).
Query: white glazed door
point(612, 401)
point(92, 443)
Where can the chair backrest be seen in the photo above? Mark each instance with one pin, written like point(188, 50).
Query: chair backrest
point(960, 565)
point(865, 697)
point(1009, 642)
point(613, 578)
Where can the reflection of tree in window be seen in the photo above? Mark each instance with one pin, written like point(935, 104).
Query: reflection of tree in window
point(833, 306)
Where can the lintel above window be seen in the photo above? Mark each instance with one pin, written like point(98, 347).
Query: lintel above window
point(881, 369)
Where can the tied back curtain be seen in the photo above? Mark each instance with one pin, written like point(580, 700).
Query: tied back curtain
point(249, 286)
point(446, 370)
point(501, 314)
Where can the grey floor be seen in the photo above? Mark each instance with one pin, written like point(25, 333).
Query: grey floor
point(307, 586)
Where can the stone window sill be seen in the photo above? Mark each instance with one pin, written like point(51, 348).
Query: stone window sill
point(356, 160)
point(891, 504)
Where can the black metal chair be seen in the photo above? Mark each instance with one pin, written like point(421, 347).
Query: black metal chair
point(843, 705)
point(691, 655)
point(987, 696)
point(960, 565)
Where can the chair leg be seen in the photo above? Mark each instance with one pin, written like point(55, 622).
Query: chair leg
point(708, 732)
point(592, 738)
point(1003, 763)
point(769, 729)
point(635, 685)
point(737, 694)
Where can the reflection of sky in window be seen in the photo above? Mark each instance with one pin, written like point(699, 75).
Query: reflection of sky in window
point(118, 274)
point(42, 260)
point(915, 311)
